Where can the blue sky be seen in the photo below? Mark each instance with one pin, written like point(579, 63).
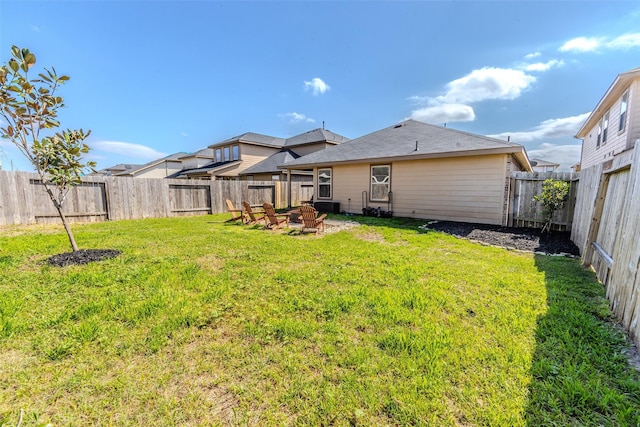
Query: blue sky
point(151, 78)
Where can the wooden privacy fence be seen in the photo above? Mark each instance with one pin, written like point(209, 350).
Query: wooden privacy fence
point(524, 211)
point(607, 231)
point(99, 198)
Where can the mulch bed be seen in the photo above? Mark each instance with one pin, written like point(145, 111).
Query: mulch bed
point(524, 239)
point(83, 256)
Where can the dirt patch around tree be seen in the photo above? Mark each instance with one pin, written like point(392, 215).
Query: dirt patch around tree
point(83, 256)
point(523, 239)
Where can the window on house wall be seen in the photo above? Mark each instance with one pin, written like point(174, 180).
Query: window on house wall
point(324, 183)
point(599, 137)
point(275, 177)
point(225, 152)
point(218, 155)
point(623, 111)
point(605, 128)
point(380, 183)
point(235, 153)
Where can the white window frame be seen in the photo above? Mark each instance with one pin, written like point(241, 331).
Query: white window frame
point(235, 152)
point(226, 154)
point(328, 184)
point(218, 155)
point(624, 105)
point(386, 182)
point(605, 128)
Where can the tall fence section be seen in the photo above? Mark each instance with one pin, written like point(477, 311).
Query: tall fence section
point(524, 211)
point(100, 198)
point(607, 230)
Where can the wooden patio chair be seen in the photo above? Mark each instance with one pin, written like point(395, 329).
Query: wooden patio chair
point(272, 218)
point(236, 214)
point(310, 219)
point(251, 215)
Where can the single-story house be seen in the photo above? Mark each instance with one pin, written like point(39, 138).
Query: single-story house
point(418, 170)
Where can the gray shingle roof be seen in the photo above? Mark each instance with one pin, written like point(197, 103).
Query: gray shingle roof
point(406, 140)
point(316, 135)
point(252, 138)
point(271, 163)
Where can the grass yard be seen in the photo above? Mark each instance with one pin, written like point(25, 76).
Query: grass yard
point(204, 323)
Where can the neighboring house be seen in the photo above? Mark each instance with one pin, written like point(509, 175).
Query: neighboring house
point(257, 157)
point(614, 125)
point(540, 165)
point(117, 169)
point(418, 170)
point(160, 168)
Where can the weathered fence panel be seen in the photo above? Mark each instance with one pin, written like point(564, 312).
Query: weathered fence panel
point(524, 211)
point(607, 229)
point(24, 201)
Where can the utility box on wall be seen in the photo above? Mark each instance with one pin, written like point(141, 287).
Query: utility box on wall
point(329, 207)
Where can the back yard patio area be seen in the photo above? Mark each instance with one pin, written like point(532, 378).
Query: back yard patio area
point(199, 322)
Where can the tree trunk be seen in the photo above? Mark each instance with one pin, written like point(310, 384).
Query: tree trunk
point(67, 228)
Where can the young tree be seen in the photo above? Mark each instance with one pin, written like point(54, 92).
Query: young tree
point(29, 111)
point(554, 194)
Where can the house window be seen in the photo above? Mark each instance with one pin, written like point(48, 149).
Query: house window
point(623, 111)
point(380, 183)
point(218, 155)
point(324, 183)
point(225, 150)
point(605, 128)
point(235, 153)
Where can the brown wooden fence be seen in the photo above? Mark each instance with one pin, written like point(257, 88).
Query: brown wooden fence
point(524, 211)
point(607, 231)
point(99, 198)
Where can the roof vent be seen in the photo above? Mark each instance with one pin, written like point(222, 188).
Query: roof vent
point(398, 126)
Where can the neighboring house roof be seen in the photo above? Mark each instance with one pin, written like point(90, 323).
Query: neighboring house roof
point(208, 169)
point(315, 135)
point(252, 138)
point(120, 167)
point(614, 92)
point(271, 163)
point(540, 162)
point(205, 153)
point(172, 157)
point(410, 140)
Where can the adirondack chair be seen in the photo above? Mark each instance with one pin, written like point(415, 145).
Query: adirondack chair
point(251, 216)
point(274, 220)
point(236, 214)
point(310, 219)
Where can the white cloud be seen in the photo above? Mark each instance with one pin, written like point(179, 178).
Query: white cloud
point(565, 155)
point(184, 134)
point(127, 149)
point(552, 128)
point(317, 86)
point(543, 66)
point(488, 83)
point(296, 118)
point(532, 55)
point(626, 41)
point(444, 113)
point(593, 44)
point(480, 85)
point(581, 44)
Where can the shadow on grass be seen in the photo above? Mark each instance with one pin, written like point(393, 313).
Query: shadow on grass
point(579, 373)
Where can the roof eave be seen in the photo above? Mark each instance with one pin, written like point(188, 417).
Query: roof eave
point(518, 151)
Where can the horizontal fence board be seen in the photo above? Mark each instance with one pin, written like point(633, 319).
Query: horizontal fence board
point(23, 199)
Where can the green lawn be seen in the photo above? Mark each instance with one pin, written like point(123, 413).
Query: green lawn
point(204, 323)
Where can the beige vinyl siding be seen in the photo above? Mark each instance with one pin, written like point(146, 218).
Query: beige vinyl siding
point(616, 141)
point(249, 156)
point(468, 189)
point(633, 112)
point(160, 170)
